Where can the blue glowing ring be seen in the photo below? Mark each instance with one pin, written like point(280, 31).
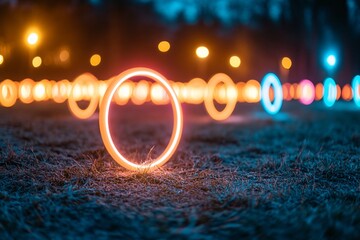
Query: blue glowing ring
point(355, 88)
point(330, 92)
point(269, 80)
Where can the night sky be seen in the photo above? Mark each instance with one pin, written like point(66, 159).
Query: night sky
point(126, 34)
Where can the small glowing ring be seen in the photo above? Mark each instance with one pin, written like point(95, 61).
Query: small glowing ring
point(104, 120)
point(209, 97)
point(74, 108)
point(355, 87)
point(330, 92)
point(12, 88)
point(268, 80)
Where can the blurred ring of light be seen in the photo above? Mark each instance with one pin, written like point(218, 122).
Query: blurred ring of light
point(94, 99)
point(209, 97)
point(8, 93)
point(269, 80)
point(355, 87)
point(330, 92)
point(104, 120)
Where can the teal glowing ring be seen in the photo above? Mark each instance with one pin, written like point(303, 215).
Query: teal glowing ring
point(355, 87)
point(269, 80)
point(330, 92)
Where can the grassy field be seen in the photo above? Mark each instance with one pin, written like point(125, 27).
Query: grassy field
point(296, 175)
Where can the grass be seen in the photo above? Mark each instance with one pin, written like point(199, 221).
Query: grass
point(260, 178)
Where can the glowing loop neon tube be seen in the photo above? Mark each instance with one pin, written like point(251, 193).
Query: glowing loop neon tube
point(330, 92)
point(209, 97)
point(104, 120)
point(74, 108)
point(269, 80)
point(355, 87)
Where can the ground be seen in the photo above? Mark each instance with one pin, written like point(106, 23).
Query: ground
point(295, 175)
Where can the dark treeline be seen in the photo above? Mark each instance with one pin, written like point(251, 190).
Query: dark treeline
point(126, 34)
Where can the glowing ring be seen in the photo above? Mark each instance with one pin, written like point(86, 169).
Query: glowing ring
point(330, 92)
point(12, 93)
point(209, 97)
point(355, 86)
point(74, 108)
point(104, 120)
point(268, 80)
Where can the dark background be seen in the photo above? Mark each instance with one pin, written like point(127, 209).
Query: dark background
point(126, 33)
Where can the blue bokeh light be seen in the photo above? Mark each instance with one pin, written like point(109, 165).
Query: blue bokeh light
point(331, 60)
point(269, 80)
point(330, 92)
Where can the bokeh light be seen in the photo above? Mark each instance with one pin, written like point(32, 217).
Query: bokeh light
point(32, 38)
point(286, 63)
point(307, 90)
point(8, 93)
point(251, 91)
point(355, 87)
point(235, 61)
point(269, 80)
point(346, 92)
point(1, 59)
point(164, 46)
point(141, 92)
point(330, 92)
point(25, 90)
point(95, 60)
point(230, 92)
point(124, 92)
point(196, 89)
point(36, 62)
point(286, 91)
point(159, 95)
point(331, 60)
point(202, 52)
point(64, 55)
point(319, 91)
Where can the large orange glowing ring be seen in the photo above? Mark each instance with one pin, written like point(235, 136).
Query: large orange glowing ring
point(104, 120)
point(74, 107)
point(209, 97)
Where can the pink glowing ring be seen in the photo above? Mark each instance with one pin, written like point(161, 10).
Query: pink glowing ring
point(104, 120)
point(307, 89)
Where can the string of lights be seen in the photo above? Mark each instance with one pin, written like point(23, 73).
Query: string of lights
point(221, 89)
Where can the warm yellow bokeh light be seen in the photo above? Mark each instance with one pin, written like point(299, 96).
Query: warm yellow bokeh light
point(286, 63)
point(346, 92)
point(235, 61)
point(36, 62)
point(64, 55)
point(164, 46)
point(1, 59)
point(251, 91)
point(8, 93)
point(141, 92)
point(32, 38)
point(319, 91)
point(95, 60)
point(202, 52)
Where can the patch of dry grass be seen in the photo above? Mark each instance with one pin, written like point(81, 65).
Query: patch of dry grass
point(256, 179)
